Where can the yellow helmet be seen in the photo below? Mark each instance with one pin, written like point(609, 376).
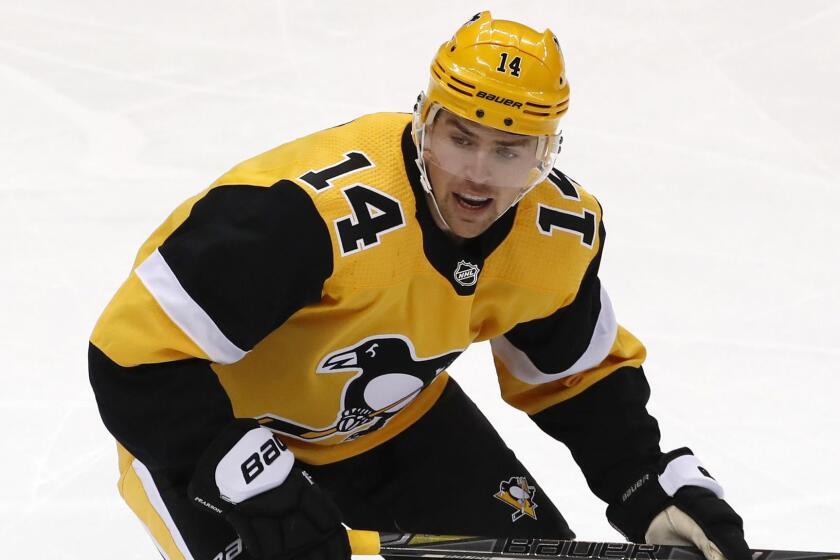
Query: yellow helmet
point(500, 74)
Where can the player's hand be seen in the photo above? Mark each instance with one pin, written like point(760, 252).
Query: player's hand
point(679, 503)
point(249, 477)
point(699, 518)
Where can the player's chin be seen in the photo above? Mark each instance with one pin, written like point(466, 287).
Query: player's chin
point(467, 233)
point(468, 229)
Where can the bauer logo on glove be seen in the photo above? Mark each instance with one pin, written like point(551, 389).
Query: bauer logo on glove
point(258, 462)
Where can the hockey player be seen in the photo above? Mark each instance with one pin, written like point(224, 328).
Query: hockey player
point(275, 363)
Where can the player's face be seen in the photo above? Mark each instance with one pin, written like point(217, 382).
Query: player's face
point(476, 172)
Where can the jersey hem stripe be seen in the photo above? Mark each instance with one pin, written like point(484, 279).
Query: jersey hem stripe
point(160, 280)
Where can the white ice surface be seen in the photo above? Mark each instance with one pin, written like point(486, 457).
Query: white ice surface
point(708, 130)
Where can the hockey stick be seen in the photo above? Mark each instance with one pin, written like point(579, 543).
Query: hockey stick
point(488, 548)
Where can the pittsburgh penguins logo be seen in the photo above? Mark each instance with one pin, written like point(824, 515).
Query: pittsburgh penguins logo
point(518, 494)
point(390, 375)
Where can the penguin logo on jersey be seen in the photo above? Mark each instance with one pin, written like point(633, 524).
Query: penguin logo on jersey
point(389, 376)
point(518, 494)
point(466, 274)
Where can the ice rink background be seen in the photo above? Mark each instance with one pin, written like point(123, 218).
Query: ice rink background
point(708, 130)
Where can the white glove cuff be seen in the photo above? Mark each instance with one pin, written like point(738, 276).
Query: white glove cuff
point(687, 470)
point(257, 463)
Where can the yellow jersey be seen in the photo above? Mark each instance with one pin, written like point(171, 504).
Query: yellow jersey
point(309, 288)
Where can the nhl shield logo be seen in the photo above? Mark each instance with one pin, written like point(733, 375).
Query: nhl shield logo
point(466, 274)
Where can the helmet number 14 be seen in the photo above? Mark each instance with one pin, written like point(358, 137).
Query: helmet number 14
point(512, 66)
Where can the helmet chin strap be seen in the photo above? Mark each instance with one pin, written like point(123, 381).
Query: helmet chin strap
point(419, 134)
point(430, 196)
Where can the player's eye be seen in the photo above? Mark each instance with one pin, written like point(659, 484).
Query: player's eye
point(506, 153)
point(460, 140)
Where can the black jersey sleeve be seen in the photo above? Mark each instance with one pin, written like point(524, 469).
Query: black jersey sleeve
point(243, 260)
point(608, 430)
point(164, 414)
point(249, 257)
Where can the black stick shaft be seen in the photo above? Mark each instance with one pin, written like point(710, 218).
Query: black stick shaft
point(410, 545)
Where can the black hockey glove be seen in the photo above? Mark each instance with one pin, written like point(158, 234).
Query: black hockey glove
point(249, 477)
point(680, 503)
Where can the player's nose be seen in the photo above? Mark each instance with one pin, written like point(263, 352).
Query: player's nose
point(476, 168)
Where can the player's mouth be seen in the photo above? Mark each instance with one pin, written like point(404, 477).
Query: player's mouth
point(471, 201)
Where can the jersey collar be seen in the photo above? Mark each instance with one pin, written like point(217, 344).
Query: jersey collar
point(460, 264)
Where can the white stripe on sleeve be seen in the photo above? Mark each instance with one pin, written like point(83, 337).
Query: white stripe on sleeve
point(164, 286)
point(603, 337)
